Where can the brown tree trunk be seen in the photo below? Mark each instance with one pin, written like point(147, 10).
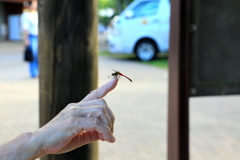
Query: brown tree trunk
point(67, 60)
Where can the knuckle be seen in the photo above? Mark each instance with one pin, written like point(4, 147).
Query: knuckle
point(102, 101)
point(95, 121)
point(70, 105)
point(75, 111)
point(70, 111)
point(62, 112)
point(113, 118)
point(102, 109)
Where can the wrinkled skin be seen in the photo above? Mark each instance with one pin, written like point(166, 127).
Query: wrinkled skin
point(76, 125)
point(80, 123)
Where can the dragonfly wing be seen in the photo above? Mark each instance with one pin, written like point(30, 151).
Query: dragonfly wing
point(110, 76)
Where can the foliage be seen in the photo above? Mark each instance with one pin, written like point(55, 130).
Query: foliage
point(117, 5)
point(103, 4)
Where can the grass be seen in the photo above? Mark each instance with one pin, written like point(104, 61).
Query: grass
point(160, 61)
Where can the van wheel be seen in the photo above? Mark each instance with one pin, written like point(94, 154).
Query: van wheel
point(146, 50)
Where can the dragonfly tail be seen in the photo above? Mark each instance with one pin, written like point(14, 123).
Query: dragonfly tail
point(125, 76)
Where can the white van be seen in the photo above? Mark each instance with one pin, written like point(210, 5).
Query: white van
point(142, 28)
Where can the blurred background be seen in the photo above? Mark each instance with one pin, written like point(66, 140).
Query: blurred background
point(133, 38)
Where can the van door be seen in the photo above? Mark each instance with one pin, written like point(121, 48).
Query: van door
point(140, 21)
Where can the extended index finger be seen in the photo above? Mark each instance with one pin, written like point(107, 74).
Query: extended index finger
point(101, 91)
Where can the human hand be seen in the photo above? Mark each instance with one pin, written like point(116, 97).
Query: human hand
point(79, 124)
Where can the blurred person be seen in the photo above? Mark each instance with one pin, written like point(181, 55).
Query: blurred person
point(29, 22)
point(76, 125)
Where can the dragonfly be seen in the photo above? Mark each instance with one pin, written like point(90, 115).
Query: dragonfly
point(117, 74)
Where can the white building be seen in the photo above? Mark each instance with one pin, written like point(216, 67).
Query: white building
point(10, 11)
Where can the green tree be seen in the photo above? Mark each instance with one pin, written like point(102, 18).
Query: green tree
point(117, 5)
point(103, 4)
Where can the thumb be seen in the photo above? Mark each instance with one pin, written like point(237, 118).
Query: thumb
point(101, 91)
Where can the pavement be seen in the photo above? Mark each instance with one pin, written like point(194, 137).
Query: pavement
point(140, 108)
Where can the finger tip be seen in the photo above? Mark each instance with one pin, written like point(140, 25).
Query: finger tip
point(114, 80)
point(112, 83)
point(112, 139)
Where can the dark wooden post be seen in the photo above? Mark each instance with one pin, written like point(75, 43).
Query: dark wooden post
point(68, 61)
point(178, 104)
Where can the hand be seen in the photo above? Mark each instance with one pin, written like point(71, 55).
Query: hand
point(79, 124)
point(25, 37)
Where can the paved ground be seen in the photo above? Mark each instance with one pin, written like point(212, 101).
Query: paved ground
point(140, 109)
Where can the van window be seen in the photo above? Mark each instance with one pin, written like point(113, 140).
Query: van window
point(145, 8)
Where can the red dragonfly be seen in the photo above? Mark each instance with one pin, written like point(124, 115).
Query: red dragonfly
point(118, 74)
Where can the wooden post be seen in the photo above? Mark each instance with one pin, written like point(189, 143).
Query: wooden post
point(67, 60)
point(178, 103)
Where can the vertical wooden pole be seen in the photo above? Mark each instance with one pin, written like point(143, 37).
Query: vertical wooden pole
point(67, 60)
point(178, 104)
